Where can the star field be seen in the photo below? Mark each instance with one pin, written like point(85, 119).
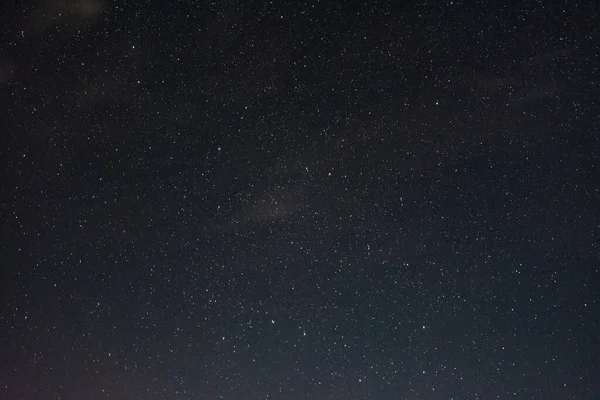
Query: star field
point(312, 200)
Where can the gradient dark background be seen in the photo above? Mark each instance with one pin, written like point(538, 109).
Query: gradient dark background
point(312, 200)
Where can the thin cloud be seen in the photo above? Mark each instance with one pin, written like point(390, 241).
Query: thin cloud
point(77, 12)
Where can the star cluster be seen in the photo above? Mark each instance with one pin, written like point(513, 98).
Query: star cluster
point(314, 200)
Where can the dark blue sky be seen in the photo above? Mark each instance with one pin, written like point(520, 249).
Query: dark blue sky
point(317, 200)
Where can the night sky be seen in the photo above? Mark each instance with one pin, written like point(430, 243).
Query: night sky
point(340, 200)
